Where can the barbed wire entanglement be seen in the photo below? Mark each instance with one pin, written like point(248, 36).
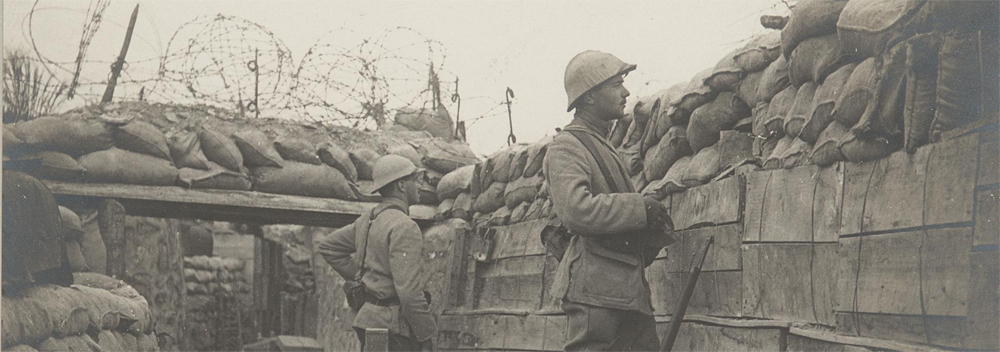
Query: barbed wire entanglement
point(345, 78)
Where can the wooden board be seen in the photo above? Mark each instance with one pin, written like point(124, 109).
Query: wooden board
point(711, 204)
point(951, 182)
point(984, 302)
point(510, 283)
point(224, 205)
point(906, 273)
point(943, 331)
point(702, 337)
point(155, 267)
point(827, 203)
point(756, 187)
point(987, 228)
point(519, 239)
point(989, 163)
point(857, 176)
point(501, 332)
point(716, 293)
point(795, 205)
point(794, 282)
point(895, 195)
point(825, 340)
point(797, 343)
point(550, 303)
point(723, 255)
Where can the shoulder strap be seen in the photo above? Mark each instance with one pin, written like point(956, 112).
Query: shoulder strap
point(589, 143)
point(367, 226)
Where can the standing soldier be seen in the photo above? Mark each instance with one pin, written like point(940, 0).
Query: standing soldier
point(384, 279)
point(615, 232)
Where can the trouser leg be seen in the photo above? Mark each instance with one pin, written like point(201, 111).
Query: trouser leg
point(361, 337)
point(641, 329)
point(402, 343)
point(590, 328)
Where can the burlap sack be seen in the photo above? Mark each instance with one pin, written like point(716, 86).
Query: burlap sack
point(671, 183)
point(55, 166)
point(142, 137)
point(455, 182)
point(407, 151)
point(921, 90)
point(823, 103)
point(59, 134)
point(25, 321)
point(522, 190)
point(91, 243)
point(726, 73)
point(220, 149)
point(777, 110)
point(185, 150)
point(491, 199)
point(463, 207)
point(72, 228)
point(857, 92)
point(800, 110)
point(759, 52)
point(746, 89)
point(868, 27)
point(809, 19)
point(303, 180)
point(536, 156)
point(775, 158)
point(120, 166)
point(256, 148)
point(774, 79)
point(815, 59)
point(618, 130)
point(884, 115)
point(500, 217)
point(672, 147)
point(703, 167)
point(827, 148)
point(337, 158)
point(297, 149)
point(445, 157)
point(443, 210)
point(217, 177)
point(517, 214)
point(706, 122)
point(364, 159)
point(857, 150)
point(959, 88)
point(695, 95)
point(438, 122)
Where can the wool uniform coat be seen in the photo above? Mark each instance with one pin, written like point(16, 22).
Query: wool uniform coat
point(591, 273)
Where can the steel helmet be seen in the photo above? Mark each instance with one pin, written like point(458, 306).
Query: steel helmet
point(589, 69)
point(391, 168)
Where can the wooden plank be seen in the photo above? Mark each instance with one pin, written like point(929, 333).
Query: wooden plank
point(897, 270)
point(984, 302)
point(757, 183)
point(711, 204)
point(787, 216)
point(895, 194)
point(510, 292)
point(987, 228)
point(550, 303)
point(723, 255)
point(111, 221)
point(455, 270)
point(717, 293)
point(848, 253)
point(989, 163)
point(491, 331)
point(519, 239)
point(458, 331)
point(702, 337)
point(792, 282)
point(951, 181)
point(810, 337)
point(856, 179)
point(526, 333)
point(827, 201)
point(943, 331)
point(225, 205)
point(555, 333)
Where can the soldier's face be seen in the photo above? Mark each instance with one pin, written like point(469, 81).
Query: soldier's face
point(608, 99)
point(412, 188)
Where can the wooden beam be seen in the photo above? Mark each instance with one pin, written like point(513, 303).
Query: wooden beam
point(220, 205)
point(111, 220)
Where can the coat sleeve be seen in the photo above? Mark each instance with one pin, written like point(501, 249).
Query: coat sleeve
point(568, 169)
point(405, 263)
point(336, 249)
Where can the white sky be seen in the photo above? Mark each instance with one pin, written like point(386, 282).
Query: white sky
point(490, 45)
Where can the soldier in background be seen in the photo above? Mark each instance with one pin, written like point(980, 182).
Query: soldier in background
point(383, 281)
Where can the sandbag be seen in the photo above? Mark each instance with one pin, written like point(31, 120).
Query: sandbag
point(455, 182)
point(726, 73)
point(965, 16)
point(660, 119)
point(856, 94)
point(631, 151)
point(809, 19)
point(546, 212)
point(60, 134)
point(297, 149)
point(476, 185)
point(407, 151)
point(534, 211)
point(81, 343)
point(774, 80)
point(303, 180)
point(92, 245)
point(437, 122)
point(959, 89)
point(53, 344)
point(256, 148)
point(746, 90)
point(759, 132)
point(502, 163)
point(517, 163)
point(443, 210)
point(364, 159)
point(62, 305)
point(24, 321)
point(649, 137)
point(147, 343)
point(703, 167)
point(522, 190)
point(536, 156)
point(445, 157)
point(671, 183)
point(617, 135)
point(77, 263)
point(797, 154)
point(857, 150)
point(695, 95)
point(884, 115)
point(21, 348)
point(868, 27)
point(827, 148)
point(128, 340)
point(500, 217)
point(800, 110)
point(142, 137)
point(337, 158)
point(72, 229)
point(815, 59)
point(518, 213)
point(766, 148)
point(220, 149)
point(427, 193)
point(217, 177)
point(759, 52)
point(673, 146)
point(109, 341)
point(120, 166)
point(11, 144)
point(921, 90)
point(777, 110)
point(775, 158)
point(734, 148)
point(185, 151)
point(491, 198)
point(823, 103)
point(463, 207)
point(55, 166)
point(706, 122)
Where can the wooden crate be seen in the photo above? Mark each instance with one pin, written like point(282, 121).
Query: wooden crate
point(790, 281)
point(715, 203)
point(716, 293)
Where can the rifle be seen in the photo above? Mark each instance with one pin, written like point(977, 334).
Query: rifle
point(675, 320)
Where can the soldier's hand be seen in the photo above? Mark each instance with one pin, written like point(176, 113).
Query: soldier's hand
point(656, 213)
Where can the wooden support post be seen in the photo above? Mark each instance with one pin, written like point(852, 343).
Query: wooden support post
point(111, 220)
point(116, 68)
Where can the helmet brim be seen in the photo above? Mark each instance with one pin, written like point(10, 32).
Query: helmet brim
point(376, 187)
point(624, 71)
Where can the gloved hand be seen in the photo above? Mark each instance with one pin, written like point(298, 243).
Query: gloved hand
point(656, 214)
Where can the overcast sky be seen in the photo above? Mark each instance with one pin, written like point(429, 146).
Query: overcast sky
point(491, 45)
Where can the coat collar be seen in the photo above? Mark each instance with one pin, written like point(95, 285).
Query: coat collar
point(397, 203)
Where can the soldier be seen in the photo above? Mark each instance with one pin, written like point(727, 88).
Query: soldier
point(615, 232)
point(384, 279)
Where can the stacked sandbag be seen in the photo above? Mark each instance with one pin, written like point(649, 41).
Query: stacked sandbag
point(54, 318)
point(210, 279)
point(437, 122)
